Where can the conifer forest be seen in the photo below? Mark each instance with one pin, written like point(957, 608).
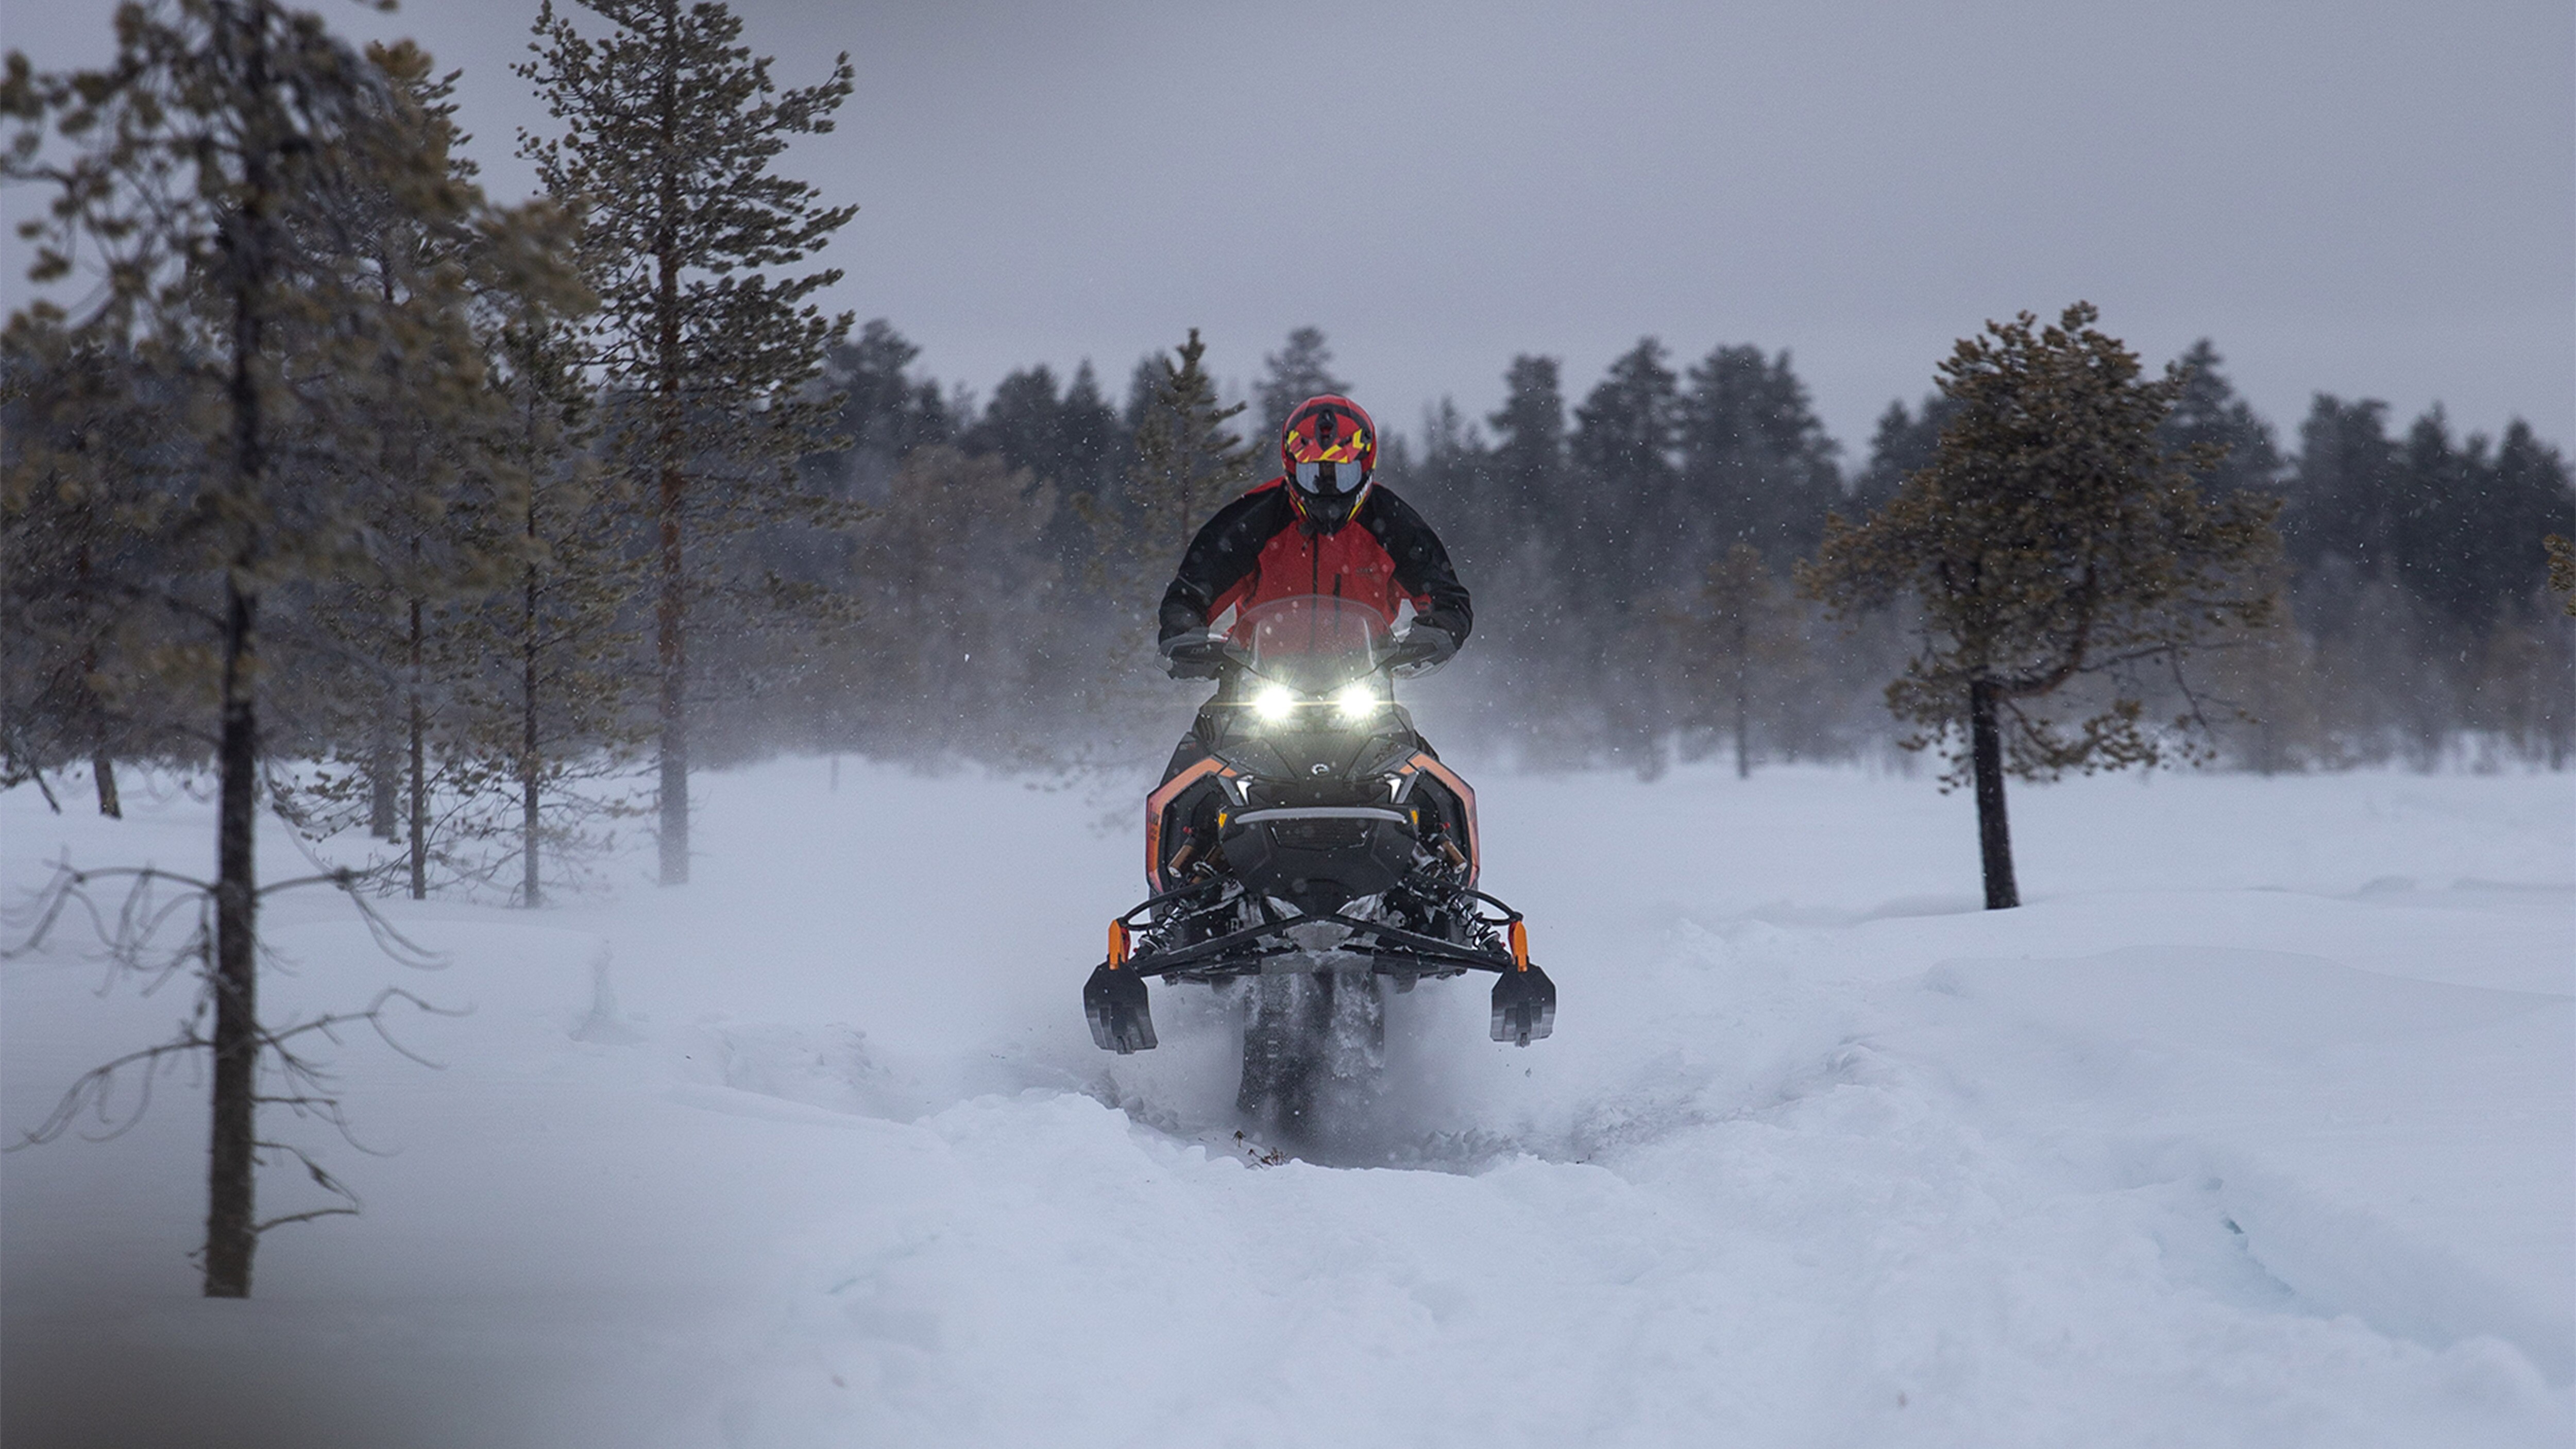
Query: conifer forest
point(471, 526)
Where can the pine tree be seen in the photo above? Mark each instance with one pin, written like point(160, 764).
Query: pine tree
point(1451, 479)
point(884, 412)
point(1095, 446)
point(1023, 424)
point(2344, 493)
point(1902, 444)
point(428, 496)
point(1622, 549)
point(669, 130)
point(1185, 464)
point(1515, 519)
point(1188, 464)
point(211, 172)
point(2271, 673)
point(1745, 627)
point(1097, 452)
point(2533, 492)
point(548, 718)
point(93, 453)
point(1300, 370)
point(1529, 440)
point(1623, 446)
point(959, 599)
point(2052, 540)
point(2210, 415)
point(1074, 446)
point(2449, 523)
point(1530, 591)
point(1756, 465)
point(2464, 538)
point(2434, 539)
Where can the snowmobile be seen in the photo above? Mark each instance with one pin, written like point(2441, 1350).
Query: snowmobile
point(1316, 855)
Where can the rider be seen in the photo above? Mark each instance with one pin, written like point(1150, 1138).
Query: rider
point(1322, 527)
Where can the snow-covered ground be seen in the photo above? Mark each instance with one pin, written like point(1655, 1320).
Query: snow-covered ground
point(2257, 1126)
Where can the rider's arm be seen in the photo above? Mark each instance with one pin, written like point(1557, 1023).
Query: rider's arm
point(1220, 559)
point(1422, 566)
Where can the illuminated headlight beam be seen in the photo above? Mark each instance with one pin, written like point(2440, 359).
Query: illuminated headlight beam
point(1356, 701)
point(1274, 704)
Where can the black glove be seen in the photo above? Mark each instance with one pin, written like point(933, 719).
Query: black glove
point(1425, 646)
point(1192, 656)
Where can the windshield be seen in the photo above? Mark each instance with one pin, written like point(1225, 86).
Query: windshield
point(1314, 643)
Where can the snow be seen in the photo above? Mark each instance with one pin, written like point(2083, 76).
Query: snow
point(2257, 1126)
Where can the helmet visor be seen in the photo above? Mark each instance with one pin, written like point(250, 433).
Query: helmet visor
point(1330, 479)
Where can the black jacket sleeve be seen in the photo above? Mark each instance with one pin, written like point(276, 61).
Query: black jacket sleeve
point(1226, 549)
point(1421, 563)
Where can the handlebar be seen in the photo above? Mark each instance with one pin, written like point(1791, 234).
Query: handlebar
point(1420, 650)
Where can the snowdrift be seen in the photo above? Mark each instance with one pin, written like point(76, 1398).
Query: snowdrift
point(2257, 1126)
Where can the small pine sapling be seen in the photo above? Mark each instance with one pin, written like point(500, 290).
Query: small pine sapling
point(2051, 539)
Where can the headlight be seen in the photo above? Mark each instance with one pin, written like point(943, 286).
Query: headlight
point(1275, 703)
point(1356, 701)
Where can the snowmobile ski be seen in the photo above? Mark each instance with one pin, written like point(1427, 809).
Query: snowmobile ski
point(1122, 1021)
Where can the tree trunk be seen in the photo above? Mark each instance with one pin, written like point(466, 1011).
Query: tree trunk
point(1994, 831)
point(419, 770)
point(230, 1236)
point(531, 887)
point(1743, 702)
point(384, 777)
point(531, 892)
point(231, 1166)
point(384, 784)
point(102, 772)
point(675, 673)
point(232, 1227)
point(102, 764)
point(672, 615)
point(1743, 754)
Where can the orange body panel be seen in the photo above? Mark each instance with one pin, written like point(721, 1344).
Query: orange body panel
point(1154, 806)
point(1467, 798)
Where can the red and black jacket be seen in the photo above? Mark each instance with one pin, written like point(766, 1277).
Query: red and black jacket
point(1255, 550)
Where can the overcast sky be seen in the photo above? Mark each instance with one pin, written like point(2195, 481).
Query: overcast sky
point(2370, 199)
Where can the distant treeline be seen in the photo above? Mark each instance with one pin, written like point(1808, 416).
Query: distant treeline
point(1597, 539)
point(475, 527)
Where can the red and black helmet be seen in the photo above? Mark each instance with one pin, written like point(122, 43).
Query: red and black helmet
point(1329, 452)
